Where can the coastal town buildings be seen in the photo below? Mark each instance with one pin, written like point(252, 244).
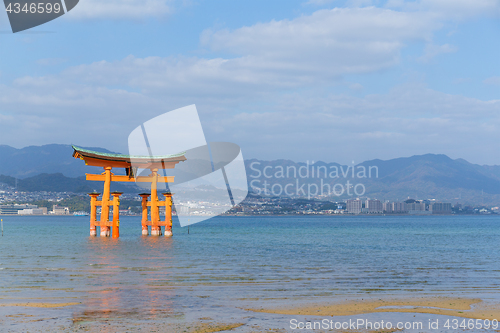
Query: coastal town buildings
point(373, 206)
point(27, 209)
point(58, 210)
point(33, 211)
point(16, 209)
point(354, 206)
point(13, 202)
point(418, 207)
point(440, 208)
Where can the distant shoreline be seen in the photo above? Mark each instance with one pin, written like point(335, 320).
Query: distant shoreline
point(283, 215)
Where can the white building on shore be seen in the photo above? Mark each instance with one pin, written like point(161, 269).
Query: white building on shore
point(33, 211)
point(58, 210)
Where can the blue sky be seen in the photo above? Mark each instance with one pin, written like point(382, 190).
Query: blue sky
point(301, 80)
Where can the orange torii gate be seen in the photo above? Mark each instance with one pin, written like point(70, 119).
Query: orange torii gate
point(130, 164)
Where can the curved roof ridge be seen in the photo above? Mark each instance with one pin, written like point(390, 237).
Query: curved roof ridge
point(112, 155)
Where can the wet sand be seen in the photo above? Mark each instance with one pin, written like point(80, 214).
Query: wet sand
point(212, 327)
point(236, 318)
point(41, 305)
point(474, 308)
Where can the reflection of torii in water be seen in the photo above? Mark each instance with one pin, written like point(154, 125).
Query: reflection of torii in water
point(110, 161)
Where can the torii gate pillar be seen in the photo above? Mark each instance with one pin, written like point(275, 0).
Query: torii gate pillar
point(105, 230)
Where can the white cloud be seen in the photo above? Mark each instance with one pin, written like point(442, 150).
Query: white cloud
point(408, 120)
point(327, 43)
point(121, 9)
point(270, 93)
point(83, 105)
point(433, 50)
point(462, 8)
point(455, 9)
point(155, 75)
point(356, 86)
point(319, 2)
point(309, 50)
point(324, 29)
point(494, 80)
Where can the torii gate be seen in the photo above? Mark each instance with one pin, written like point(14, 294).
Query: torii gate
point(129, 163)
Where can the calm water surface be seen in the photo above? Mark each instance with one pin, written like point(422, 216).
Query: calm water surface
point(231, 260)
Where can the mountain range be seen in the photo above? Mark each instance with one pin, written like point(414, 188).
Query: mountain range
point(52, 168)
point(429, 176)
point(35, 160)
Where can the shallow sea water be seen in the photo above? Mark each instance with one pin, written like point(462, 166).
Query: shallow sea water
point(227, 264)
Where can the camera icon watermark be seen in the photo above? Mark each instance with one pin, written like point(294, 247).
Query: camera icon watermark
point(211, 180)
